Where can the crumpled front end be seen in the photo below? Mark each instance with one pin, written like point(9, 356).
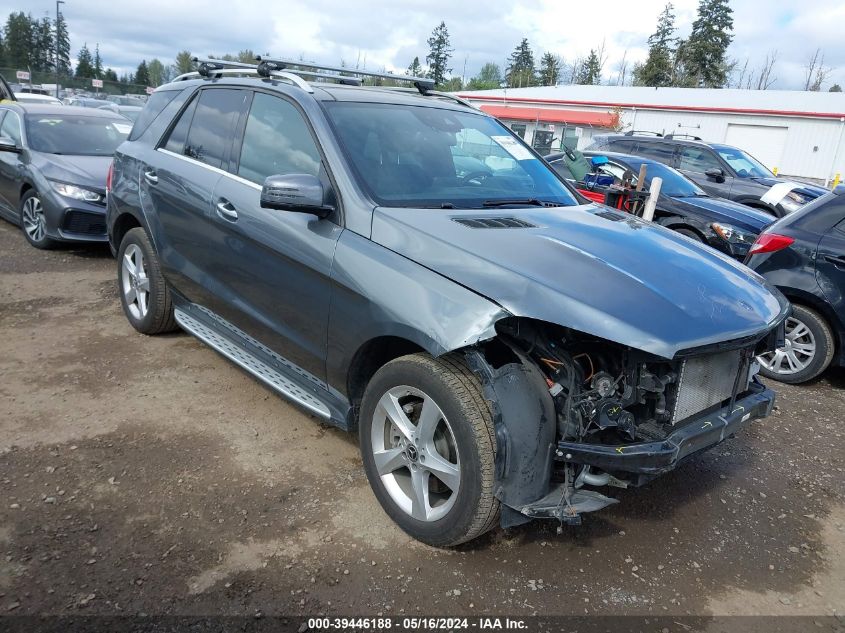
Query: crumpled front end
point(574, 412)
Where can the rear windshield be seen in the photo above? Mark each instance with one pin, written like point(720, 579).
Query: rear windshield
point(75, 134)
point(412, 156)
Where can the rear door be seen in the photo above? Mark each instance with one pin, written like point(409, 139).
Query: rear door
point(179, 186)
point(276, 277)
point(830, 262)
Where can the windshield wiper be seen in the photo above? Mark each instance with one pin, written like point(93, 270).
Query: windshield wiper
point(531, 202)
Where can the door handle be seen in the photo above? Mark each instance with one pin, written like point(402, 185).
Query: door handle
point(150, 177)
point(226, 210)
point(839, 262)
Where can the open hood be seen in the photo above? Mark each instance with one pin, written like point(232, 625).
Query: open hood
point(598, 271)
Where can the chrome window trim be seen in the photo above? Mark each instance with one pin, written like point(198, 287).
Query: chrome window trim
point(216, 170)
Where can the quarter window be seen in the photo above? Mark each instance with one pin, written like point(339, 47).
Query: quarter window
point(276, 141)
point(698, 159)
point(179, 134)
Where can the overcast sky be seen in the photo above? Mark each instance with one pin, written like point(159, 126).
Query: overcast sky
point(390, 34)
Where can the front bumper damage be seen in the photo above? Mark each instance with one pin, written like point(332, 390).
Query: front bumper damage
point(529, 455)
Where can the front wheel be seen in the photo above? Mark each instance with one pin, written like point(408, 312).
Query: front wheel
point(428, 446)
point(33, 222)
point(807, 351)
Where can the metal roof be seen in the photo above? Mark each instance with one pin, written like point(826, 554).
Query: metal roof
point(551, 115)
point(772, 102)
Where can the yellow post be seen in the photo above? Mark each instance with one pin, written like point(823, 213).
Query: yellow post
point(836, 180)
point(775, 171)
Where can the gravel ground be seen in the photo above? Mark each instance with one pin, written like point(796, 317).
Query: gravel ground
point(149, 475)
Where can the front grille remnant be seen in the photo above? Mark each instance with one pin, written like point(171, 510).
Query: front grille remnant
point(705, 381)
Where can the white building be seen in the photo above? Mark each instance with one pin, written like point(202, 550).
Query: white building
point(797, 133)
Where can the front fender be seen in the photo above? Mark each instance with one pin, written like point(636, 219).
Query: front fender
point(377, 292)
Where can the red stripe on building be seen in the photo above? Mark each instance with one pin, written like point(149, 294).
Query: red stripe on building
point(646, 106)
point(552, 115)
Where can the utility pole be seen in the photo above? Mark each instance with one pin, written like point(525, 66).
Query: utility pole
point(58, 2)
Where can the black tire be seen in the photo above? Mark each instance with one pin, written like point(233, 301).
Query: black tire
point(457, 392)
point(44, 242)
point(159, 317)
point(825, 347)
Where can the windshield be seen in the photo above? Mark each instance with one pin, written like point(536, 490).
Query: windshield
point(745, 165)
point(675, 184)
point(412, 156)
point(75, 134)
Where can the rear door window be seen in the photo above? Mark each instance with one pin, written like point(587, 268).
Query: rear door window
point(698, 159)
point(213, 125)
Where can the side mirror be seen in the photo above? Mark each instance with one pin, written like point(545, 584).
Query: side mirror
point(8, 145)
point(301, 193)
point(715, 174)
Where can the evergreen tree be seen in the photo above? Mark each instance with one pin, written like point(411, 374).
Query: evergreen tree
point(704, 54)
point(184, 63)
point(43, 45)
point(590, 71)
point(84, 63)
point(657, 70)
point(98, 62)
point(550, 70)
point(415, 68)
point(142, 75)
point(62, 41)
point(110, 75)
point(835, 88)
point(19, 41)
point(156, 72)
point(439, 54)
point(488, 78)
point(520, 72)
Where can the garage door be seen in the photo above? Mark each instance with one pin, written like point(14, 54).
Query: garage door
point(766, 143)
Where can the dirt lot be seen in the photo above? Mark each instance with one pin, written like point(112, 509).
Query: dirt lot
point(150, 475)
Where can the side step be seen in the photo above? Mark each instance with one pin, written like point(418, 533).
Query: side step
point(266, 374)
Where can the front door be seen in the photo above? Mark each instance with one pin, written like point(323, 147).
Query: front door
point(277, 264)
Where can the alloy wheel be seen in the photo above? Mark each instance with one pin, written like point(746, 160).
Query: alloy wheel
point(415, 453)
point(134, 281)
point(33, 219)
point(797, 353)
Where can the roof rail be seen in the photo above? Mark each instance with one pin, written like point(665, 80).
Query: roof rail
point(422, 84)
point(633, 132)
point(218, 68)
point(690, 136)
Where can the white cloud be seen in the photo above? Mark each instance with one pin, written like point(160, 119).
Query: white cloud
point(389, 34)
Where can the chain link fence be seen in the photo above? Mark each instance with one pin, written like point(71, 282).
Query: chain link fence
point(76, 84)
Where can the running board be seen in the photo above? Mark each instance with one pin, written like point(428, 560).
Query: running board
point(266, 374)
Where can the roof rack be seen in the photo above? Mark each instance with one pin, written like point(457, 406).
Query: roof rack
point(434, 93)
point(633, 132)
point(291, 71)
point(690, 136)
point(422, 84)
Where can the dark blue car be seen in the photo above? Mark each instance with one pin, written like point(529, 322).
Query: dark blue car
point(803, 255)
point(682, 205)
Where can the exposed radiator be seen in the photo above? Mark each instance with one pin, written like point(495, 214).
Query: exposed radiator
point(705, 381)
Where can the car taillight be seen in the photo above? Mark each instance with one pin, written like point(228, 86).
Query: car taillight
point(109, 177)
point(769, 243)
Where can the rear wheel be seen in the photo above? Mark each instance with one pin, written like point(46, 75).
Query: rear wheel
point(807, 351)
point(428, 446)
point(33, 222)
point(143, 291)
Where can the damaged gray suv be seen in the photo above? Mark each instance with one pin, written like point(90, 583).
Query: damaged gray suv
point(399, 264)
